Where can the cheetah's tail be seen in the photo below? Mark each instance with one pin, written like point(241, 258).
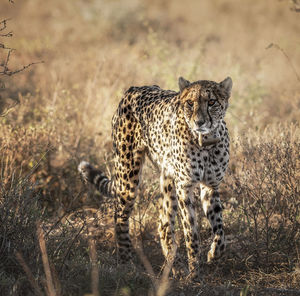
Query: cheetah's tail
point(97, 178)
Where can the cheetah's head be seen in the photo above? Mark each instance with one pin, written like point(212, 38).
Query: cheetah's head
point(204, 103)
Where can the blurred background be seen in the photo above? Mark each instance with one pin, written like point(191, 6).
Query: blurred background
point(58, 112)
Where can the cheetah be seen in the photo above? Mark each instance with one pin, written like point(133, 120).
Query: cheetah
point(185, 135)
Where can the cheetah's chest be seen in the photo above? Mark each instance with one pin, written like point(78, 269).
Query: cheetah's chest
point(189, 163)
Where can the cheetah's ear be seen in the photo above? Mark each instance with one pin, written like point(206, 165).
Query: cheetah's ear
point(227, 85)
point(183, 83)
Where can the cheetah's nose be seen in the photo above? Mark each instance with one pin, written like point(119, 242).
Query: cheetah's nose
point(199, 123)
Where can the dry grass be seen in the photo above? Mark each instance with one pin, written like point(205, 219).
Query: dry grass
point(92, 52)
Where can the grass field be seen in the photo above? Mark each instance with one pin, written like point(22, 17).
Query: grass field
point(56, 233)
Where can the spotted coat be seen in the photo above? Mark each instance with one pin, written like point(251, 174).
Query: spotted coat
point(165, 125)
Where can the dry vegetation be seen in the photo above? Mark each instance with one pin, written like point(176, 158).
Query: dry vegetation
point(56, 237)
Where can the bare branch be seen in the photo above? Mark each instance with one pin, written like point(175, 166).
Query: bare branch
point(10, 72)
point(3, 24)
point(9, 34)
point(41, 239)
point(29, 274)
point(4, 68)
point(161, 284)
point(95, 271)
point(4, 65)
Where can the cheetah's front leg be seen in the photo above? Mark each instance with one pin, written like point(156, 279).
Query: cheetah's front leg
point(213, 210)
point(190, 226)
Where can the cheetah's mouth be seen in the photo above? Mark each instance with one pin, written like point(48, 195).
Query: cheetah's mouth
point(204, 129)
point(205, 137)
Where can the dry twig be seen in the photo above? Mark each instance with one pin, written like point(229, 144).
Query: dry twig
point(29, 274)
point(95, 271)
point(161, 285)
point(287, 57)
point(50, 285)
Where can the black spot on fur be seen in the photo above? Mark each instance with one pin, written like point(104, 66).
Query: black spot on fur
point(217, 209)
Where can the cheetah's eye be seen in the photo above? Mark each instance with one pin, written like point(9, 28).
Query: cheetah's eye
point(190, 103)
point(211, 102)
